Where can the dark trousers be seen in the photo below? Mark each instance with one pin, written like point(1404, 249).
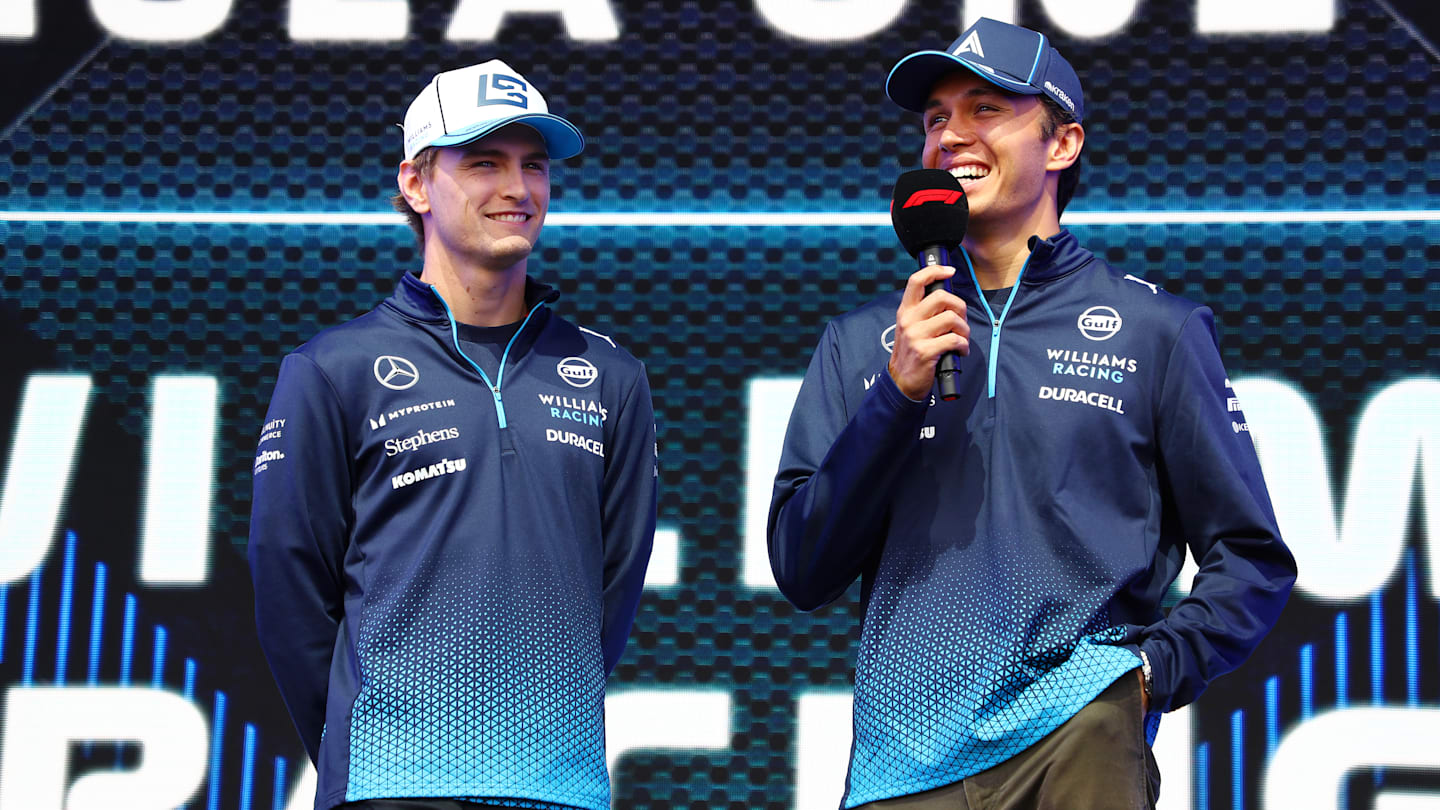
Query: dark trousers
point(1096, 760)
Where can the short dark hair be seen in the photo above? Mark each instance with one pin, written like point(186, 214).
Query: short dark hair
point(424, 162)
point(1056, 117)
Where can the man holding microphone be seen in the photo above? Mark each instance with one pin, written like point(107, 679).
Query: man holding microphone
point(1014, 543)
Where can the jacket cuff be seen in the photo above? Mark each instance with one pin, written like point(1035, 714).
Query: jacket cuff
point(1160, 692)
point(900, 404)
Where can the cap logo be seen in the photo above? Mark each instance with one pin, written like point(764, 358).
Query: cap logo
point(971, 45)
point(498, 88)
point(1060, 94)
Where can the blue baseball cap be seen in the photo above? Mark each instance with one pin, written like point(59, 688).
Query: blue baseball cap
point(1008, 56)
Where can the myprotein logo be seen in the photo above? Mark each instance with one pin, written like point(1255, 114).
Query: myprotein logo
point(577, 371)
point(1099, 323)
point(395, 373)
point(377, 422)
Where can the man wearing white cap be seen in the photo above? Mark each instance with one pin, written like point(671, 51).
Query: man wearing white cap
point(1015, 543)
point(455, 495)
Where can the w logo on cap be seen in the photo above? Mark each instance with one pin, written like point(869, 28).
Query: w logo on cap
point(971, 45)
point(497, 88)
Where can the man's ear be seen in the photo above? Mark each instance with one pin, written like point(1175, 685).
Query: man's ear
point(412, 187)
point(1065, 147)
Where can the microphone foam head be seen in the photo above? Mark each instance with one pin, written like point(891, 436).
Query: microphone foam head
point(929, 208)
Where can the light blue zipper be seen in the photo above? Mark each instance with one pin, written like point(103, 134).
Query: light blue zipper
point(499, 376)
point(994, 321)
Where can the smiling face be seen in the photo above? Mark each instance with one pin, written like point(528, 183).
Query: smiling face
point(485, 202)
point(993, 143)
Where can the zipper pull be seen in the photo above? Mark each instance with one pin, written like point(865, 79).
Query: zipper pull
point(499, 406)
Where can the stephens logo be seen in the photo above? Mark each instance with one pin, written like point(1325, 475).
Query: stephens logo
point(395, 373)
point(577, 371)
point(1099, 323)
point(394, 447)
point(887, 341)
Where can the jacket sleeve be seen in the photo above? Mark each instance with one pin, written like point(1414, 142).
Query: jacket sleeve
point(628, 518)
point(1216, 496)
point(830, 503)
point(300, 522)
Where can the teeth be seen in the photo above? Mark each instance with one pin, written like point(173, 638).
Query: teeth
point(510, 217)
point(969, 172)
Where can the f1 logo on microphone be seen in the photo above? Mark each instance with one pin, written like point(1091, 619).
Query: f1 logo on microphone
point(939, 195)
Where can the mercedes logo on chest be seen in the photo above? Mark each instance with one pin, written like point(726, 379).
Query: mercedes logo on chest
point(395, 373)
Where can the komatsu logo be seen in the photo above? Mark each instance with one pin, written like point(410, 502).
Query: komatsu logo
point(1099, 323)
point(577, 371)
point(444, 466)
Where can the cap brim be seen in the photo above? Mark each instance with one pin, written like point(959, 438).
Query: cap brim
point(911, 80)
point(562, 138)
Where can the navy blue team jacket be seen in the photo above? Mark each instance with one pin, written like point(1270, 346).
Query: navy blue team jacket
point(1015, 544)
point(447, 567)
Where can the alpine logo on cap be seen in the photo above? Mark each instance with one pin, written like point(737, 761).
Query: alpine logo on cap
point(971, 45)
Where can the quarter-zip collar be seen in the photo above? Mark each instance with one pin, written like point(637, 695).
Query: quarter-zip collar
point(417, 301)
point(1053, 258)
point(1049, 259)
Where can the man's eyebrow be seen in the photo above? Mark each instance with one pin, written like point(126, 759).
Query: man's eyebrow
point(987, 90)
point(538, 154)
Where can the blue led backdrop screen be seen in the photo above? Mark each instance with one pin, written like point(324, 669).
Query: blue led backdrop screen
point(192, 188)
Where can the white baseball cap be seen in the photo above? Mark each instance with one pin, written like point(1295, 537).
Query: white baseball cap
point(462, 105)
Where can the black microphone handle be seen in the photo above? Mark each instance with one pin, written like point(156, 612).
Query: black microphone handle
point(947, 371)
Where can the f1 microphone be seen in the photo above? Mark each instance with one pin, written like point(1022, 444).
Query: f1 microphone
point(930, 214)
